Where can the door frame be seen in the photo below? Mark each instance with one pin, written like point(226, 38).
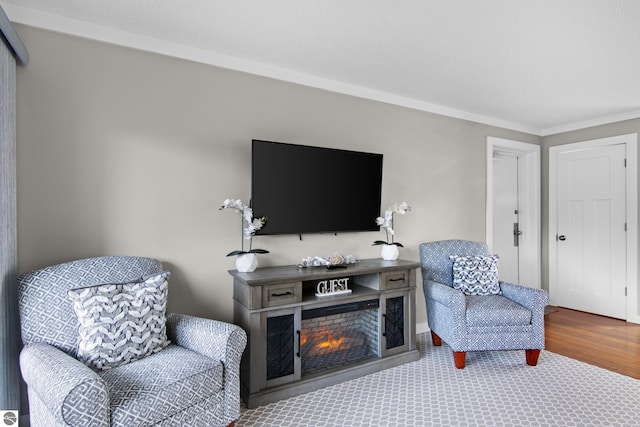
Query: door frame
point(631, 175)
point(528, 201)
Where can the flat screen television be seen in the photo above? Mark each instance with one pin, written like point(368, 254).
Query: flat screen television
point(303, 189)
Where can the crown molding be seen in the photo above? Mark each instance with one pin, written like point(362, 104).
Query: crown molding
point(613, 118)
point(61, 24)
point(75, 27)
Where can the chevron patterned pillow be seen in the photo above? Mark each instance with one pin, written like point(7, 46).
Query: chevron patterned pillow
point(476, 275)
point(122, 322)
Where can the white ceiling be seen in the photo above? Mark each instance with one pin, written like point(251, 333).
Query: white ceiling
point(540, 66)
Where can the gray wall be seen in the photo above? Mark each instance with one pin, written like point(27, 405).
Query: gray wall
point(127, 152)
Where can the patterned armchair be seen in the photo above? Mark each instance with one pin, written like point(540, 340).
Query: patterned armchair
point(191, 381)
point(513, 319)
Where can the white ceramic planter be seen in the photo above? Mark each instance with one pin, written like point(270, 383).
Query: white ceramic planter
point(246, 263)
point(390, 252)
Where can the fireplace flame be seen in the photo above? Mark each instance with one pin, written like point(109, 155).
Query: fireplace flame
point(331, 343)
point(325, 341)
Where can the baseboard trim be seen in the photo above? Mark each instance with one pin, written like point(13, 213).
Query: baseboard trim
point(422, 327)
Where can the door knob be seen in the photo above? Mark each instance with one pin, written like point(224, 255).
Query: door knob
point(562, 237)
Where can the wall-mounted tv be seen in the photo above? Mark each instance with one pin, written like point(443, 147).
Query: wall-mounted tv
point(303, 189)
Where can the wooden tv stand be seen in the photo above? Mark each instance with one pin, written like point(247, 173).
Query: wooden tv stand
point(274, 305)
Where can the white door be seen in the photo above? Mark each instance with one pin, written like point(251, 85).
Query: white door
point(591, 224)
point(505, 215)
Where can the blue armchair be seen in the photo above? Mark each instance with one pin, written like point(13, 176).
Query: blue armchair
point(193, 380)
point(510, 320)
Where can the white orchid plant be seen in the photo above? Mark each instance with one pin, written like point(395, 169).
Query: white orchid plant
point(249, 225)
point(386, 222)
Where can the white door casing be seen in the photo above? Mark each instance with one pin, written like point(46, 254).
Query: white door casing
point(528, 205)
point(505, 214)
point(592, 198)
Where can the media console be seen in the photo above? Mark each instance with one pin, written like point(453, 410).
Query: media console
point(302, 337)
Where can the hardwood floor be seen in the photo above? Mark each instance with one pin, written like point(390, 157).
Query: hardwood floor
point(609, 343)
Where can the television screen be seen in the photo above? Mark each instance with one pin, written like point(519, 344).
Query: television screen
point(303, 189)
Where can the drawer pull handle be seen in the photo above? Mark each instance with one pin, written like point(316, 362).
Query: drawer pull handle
point(282, 294)
point(399, 279)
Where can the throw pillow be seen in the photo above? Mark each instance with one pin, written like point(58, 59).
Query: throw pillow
point(122, 322)
point(476, 274)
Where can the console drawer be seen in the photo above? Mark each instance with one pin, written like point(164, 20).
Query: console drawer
point(281, 294)
point(394, 280)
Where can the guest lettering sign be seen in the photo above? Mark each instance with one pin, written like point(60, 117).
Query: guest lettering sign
point(329, 287)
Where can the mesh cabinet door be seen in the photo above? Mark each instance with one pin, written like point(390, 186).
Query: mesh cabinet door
point(280, 346)
point(394, 322)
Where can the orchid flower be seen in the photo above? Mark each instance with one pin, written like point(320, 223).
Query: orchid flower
point(386, 222)
point(252, 225)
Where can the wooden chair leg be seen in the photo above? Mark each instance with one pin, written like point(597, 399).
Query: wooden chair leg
point(532, 357)
point(231, 424)
point(437, 341)
point(459, 358)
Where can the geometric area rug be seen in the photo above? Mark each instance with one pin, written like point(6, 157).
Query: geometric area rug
point(496, 388)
